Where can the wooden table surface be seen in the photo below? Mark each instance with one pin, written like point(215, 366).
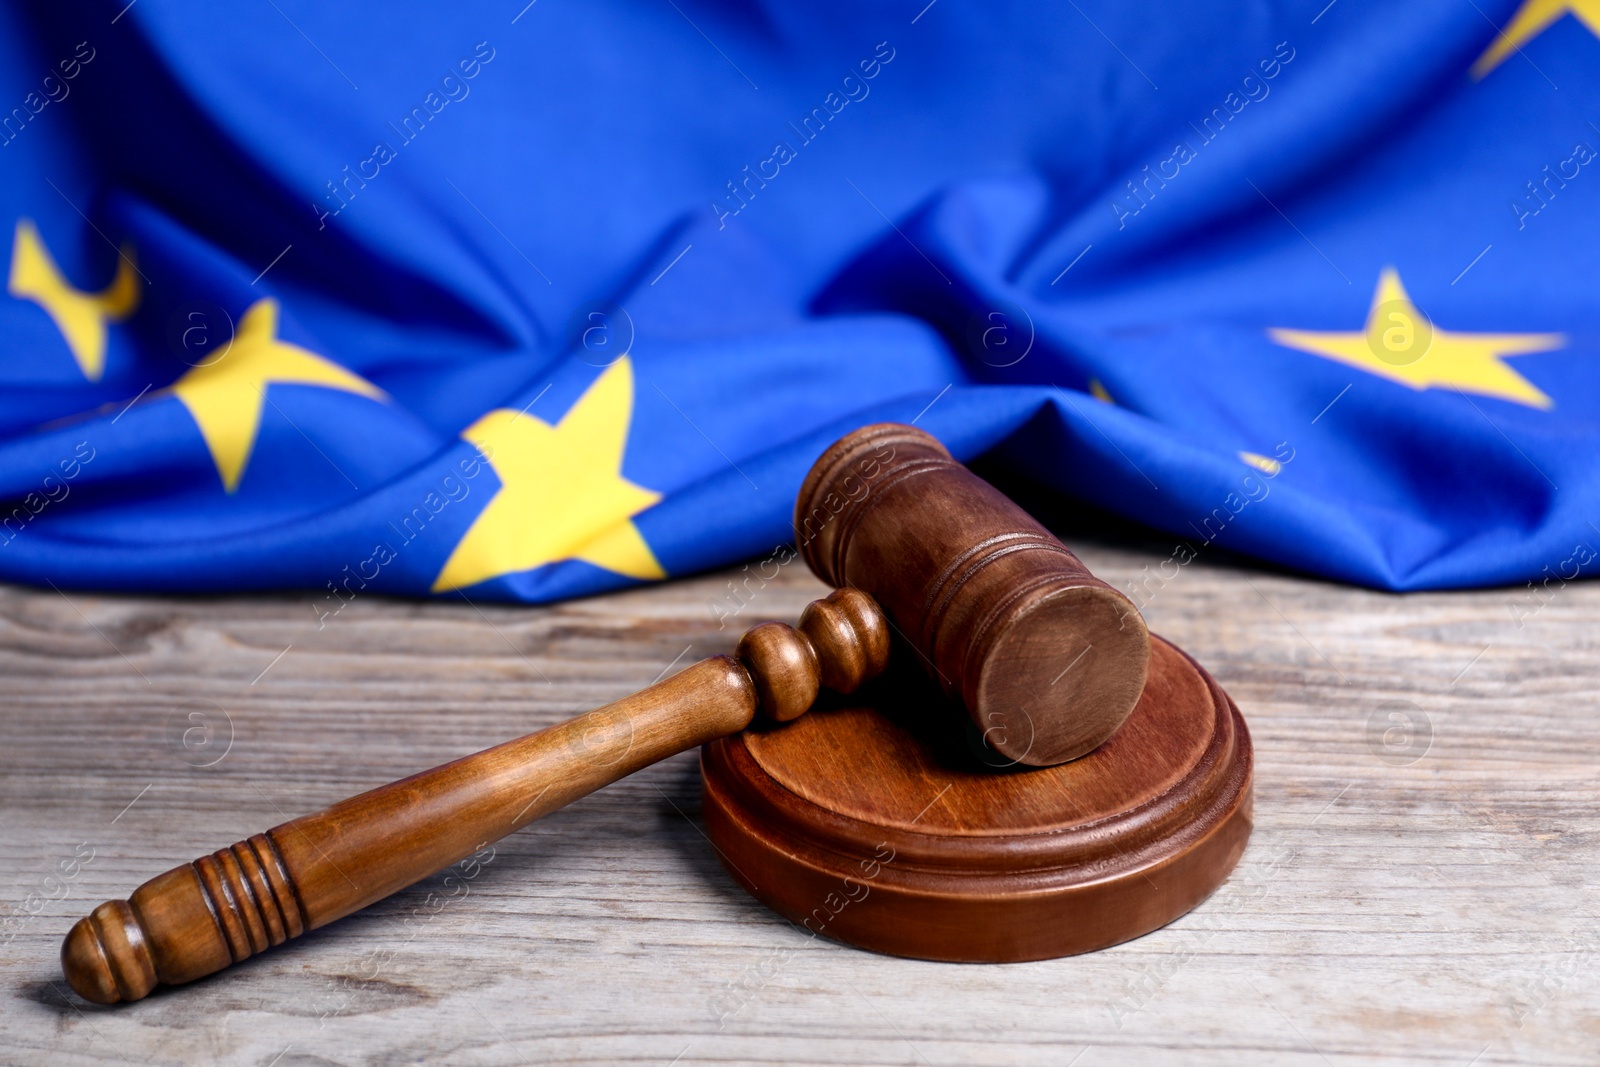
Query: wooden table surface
point(1420, 887)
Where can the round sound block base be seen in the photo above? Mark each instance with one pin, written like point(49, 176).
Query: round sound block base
point(871, 822)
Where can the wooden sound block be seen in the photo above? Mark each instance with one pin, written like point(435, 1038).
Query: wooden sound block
point(873, 823)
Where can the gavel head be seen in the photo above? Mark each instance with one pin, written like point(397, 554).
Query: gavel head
point(1047, 659)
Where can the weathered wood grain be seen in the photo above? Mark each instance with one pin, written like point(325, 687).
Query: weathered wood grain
point(1386, 911)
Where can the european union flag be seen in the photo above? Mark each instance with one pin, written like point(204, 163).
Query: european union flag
point(531, 300)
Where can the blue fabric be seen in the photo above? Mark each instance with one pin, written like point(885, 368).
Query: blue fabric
point(1072, 233)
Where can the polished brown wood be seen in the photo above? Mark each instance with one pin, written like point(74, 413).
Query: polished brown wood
point(871, 824)
point(1047, 659)
point(203, 916)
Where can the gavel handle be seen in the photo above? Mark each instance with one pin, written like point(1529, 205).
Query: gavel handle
point(203, 916)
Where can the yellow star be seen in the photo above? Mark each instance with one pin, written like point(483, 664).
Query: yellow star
point(1399, 343)
point(562, 494)
point(1265, 464)
point(81, 317)
point(1532, 19)
point(226, 395)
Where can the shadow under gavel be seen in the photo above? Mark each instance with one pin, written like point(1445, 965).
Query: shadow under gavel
point(199, 918)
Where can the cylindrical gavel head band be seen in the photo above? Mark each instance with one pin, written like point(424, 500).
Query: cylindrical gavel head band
point(1047, 659)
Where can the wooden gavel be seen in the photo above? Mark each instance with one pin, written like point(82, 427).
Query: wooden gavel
point(1047, 659)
